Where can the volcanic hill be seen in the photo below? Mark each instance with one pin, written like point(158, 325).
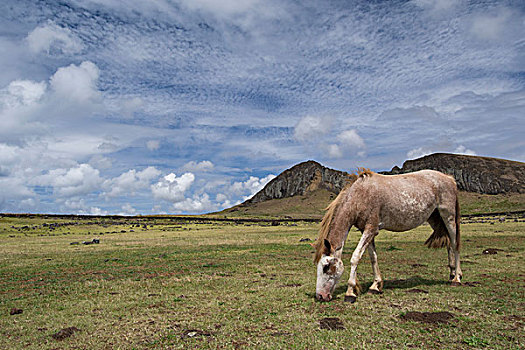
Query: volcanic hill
point(303, 191)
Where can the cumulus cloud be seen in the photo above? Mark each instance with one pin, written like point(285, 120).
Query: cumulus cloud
point(79, 180)
point(197, 204)
point(418, 152)
point(203, 166)
point(50, 37)
point(464, 150)
point(351, 139)
point(128, 209)
point(172, 188)
point(310, 128)
point(76, 83)
point(130, 182)
point(251, 186)
point(26, 92)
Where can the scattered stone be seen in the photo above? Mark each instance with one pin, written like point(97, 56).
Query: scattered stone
point(15, 311)
point(65, 333)
point(94, 241)
point(193, 333)
point(418, 265)
point(491, 251)
point(428, 317)
point(331, 323)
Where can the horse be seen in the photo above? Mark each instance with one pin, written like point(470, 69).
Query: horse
point(373, 202)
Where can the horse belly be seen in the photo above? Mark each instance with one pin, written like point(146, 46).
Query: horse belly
point(406, 215)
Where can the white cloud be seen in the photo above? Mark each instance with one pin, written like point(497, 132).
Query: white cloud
point(27, 92)
point(197, 204)
point(438, 6)
point(130, 182)
point(310, 128)
point(130, 106)
point(75, 181)
point(251, 186)
point(203, 166)
point(333, 151)
point(153, 145)
point(50, 37)
point(418, 152)
point(76, 83)
point(128, 209)
point(172, 188)
point(351, 139)
point(463, 150)
point(490, 26)
point(97, 211)
point(100, 162)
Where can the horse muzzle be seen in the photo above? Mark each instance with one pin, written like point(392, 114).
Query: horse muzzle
point(323, 296)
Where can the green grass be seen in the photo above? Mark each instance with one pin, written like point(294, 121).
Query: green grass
point(240, 286)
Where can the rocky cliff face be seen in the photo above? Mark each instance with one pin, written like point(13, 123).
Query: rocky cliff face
point(300, 179)
point(472, 173)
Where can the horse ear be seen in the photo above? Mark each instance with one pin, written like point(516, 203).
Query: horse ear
point(327, 247)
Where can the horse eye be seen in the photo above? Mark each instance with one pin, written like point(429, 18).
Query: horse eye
point(326, 268)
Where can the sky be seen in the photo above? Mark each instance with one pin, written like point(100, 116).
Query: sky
point(191, 106)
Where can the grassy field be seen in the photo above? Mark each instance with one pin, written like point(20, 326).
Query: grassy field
point(161, 283)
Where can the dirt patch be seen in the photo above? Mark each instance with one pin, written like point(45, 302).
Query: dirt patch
point(471, 284)
point(418, 265)
point(65, 333)
point(194, 333)
point(290, 285)
point(514, 318)
point(428, 317)
point(15, 311)
point(417, 290)
point(331, 323)
point(491, 251)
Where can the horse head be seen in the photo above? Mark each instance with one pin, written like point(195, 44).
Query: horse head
point(329, 271)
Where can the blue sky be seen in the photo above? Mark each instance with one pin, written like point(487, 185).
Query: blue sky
point(191, 106)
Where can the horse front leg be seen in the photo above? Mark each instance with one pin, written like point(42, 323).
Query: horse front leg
point(353, 289)
point(377, 286)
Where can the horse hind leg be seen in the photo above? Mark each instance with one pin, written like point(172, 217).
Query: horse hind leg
point(450, 220)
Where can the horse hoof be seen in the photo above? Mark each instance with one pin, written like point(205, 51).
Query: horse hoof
point(375, 291)
point(350, 298)
point(455, 284)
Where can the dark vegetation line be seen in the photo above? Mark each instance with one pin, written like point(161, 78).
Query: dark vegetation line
point(206, 219)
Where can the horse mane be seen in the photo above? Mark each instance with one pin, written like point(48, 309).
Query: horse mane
point(330, 211)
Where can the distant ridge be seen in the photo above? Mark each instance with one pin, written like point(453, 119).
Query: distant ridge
point(472, 173)
point(301, 179)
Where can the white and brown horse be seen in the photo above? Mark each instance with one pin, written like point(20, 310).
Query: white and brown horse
point(391, 202)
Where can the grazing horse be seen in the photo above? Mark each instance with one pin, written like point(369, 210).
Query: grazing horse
point(391, 202)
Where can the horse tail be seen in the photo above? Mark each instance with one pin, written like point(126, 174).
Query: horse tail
point(439, 238)
point(458, 218)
